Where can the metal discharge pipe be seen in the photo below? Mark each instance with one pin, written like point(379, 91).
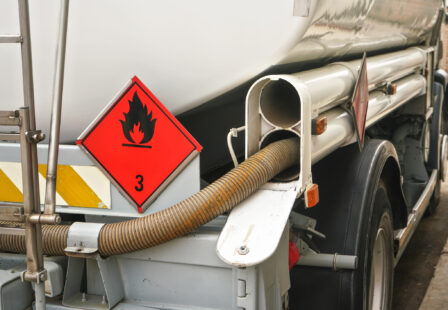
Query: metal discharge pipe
point(182, 218)
point(330, 85)
point(340, 130)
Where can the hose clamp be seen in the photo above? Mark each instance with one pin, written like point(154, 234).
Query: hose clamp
point(82, 239)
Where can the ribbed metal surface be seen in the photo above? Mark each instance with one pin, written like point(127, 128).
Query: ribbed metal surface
point(54, 239)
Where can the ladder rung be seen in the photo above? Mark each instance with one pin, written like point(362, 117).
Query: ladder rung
point(11, 231)
point(11, 212)
point(9, 136)
point(10, 38)
point(9, 118)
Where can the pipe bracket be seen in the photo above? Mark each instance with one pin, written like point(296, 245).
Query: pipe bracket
point(82, 239)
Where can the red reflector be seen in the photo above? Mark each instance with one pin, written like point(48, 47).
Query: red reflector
point(311, 195)
point(294, 255)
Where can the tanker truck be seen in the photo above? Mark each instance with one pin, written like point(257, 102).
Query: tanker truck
point(216, 155)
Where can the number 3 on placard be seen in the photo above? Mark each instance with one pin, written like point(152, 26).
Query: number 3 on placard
point(139, 187)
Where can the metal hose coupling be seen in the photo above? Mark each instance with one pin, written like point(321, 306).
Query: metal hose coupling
point(182, 218)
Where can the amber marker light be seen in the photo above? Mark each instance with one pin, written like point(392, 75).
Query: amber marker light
point(319, 125)
point(311, 195)
point(392, 89)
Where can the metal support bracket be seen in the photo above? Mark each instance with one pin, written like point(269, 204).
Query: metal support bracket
point(82, 239)
point(305, 224)
point(255, 227)
point(104, 284)
point(34, 136)
point(258, 128)
point(37, 277)
point(265, 285)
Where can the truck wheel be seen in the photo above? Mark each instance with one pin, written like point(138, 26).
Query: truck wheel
point(356, 215)
point(380, 253)
point(370, 285)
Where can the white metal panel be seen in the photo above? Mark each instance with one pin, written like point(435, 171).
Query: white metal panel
point(184, 185)
point(254, 228)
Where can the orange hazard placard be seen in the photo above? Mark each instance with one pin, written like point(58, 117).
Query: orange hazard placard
point(139, 144)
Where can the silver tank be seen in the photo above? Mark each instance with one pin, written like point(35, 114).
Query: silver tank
point(345, 27)
point(189, 52)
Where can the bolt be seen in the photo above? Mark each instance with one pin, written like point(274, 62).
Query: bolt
point(42, 277)
point(243, 250)
point(83, 298)
point(104, 300)
point(57, 219)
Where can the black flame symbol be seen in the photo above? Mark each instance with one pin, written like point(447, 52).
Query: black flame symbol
point(138, 117)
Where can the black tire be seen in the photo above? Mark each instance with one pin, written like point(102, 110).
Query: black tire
point(378, 264)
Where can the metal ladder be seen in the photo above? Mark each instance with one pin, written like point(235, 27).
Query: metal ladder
point(29, 212)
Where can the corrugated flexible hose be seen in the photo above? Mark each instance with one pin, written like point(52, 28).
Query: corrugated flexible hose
point(180, 219)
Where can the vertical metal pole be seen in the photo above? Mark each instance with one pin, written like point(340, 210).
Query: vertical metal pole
point(34, 260)
point(33, 236)
point(27, 63)
point(53, 148)
point(39, 288)
point(28, 86)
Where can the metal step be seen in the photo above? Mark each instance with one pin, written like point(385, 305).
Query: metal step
point(9, 118)
point(10, 38)
point(12, 212)
point(9, 136)
point(402, 236)
point(12, 231)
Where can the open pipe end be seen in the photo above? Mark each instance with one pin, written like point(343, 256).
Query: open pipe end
point(280, 104)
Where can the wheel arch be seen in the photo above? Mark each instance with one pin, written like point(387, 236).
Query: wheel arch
point(391, 175)
point(347, 182)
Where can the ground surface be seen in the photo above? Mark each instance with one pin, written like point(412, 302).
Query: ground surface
point(436, 297)
point(415, 270)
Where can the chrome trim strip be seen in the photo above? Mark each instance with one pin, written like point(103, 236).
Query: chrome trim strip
point(404, 235)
